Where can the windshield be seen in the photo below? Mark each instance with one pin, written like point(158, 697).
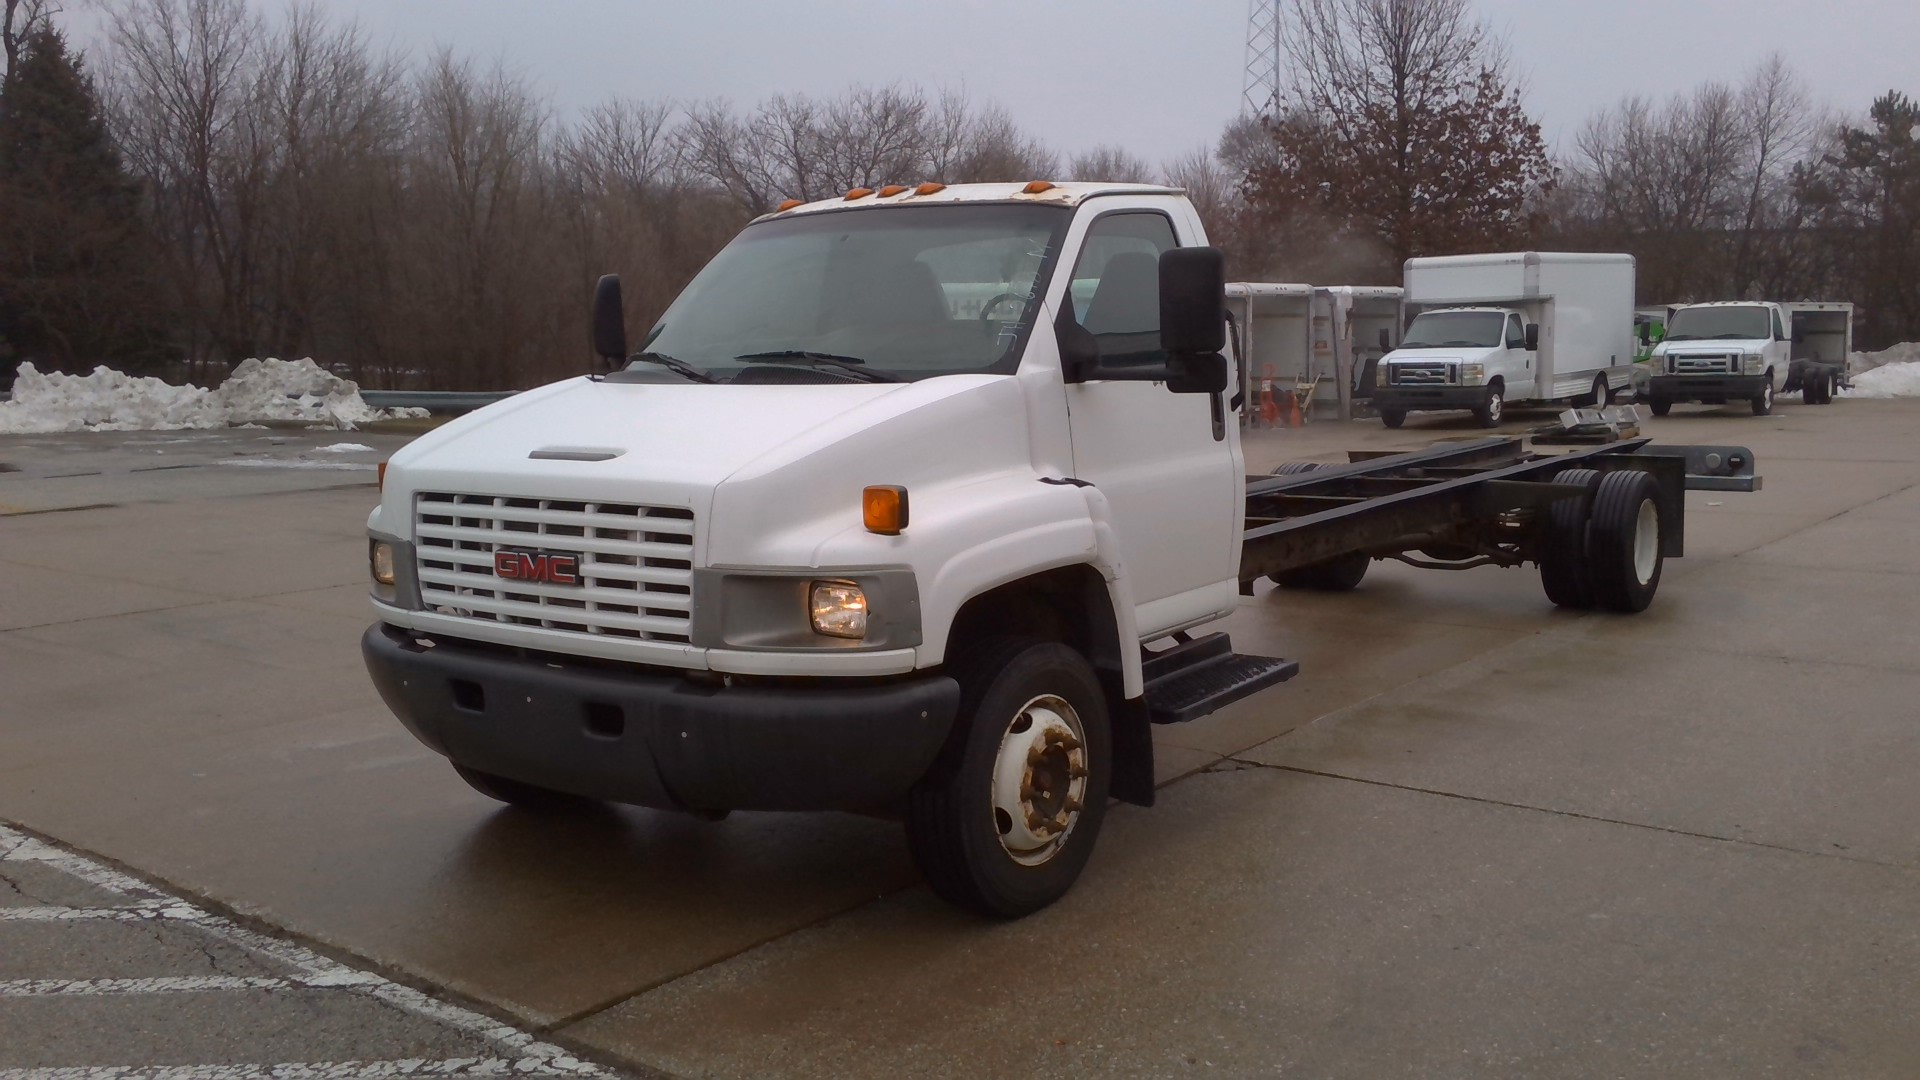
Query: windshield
point(1718, 323)
point(1455, 329)
point(904, 293)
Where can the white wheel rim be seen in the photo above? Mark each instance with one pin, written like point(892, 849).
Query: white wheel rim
point(1039, 780)
point(1646, 541)
point(1767, 394)
point(1600, 391)
point(1494, 405)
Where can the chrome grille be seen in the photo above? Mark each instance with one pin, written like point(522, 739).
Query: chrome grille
point(1420, 374)
point(636, 563)
point(1716, 364)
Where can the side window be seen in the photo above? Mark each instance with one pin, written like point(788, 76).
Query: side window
point(1516, 334)
point(1115, 289)
point(1779, 331)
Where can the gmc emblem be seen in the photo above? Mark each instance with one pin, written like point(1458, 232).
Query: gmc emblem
point(541, 567)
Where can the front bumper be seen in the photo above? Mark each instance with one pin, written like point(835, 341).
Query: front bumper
point(1418, 398)
point(661, 740)
point(1707, 389)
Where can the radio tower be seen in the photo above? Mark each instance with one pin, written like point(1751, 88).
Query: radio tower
point(1261, 92)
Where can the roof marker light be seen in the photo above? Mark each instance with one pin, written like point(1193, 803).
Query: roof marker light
point(891, 190)
point(1036, 187)
point(787, 205)
point(859, 193)
point(930, 188)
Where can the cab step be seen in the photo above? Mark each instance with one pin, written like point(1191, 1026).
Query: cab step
point(1201, 675)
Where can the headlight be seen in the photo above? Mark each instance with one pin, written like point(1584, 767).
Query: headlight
point(1754, 362)
point(380, 567)
point(1380, 375)
point(1472, 374)
point(838, 609)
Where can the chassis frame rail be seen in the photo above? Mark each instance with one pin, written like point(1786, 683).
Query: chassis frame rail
point(1383, 505)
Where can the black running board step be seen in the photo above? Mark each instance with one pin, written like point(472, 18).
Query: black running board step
point(1204, 675)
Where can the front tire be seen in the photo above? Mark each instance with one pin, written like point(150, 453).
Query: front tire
point(1660, 406)
point(1004, 821)
point(1763, 401)
point(1493, 409)
point(1393, 418)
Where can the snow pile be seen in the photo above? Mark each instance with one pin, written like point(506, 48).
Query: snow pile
point(343, 448)
point(1907, 352)
point(258, 390)
point(1895, 380)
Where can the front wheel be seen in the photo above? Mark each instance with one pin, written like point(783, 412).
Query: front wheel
point(1393, 418)
point(1006, 818)
point(1763, 401)
point(1492, 409)
point(1660, 406)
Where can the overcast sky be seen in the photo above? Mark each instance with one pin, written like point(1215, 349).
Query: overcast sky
point(1158, 76)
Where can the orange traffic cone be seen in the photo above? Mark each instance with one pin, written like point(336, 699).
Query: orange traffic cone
point(1294, 419)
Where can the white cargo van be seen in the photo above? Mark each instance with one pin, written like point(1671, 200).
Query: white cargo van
point(1521, 328)
point(1749, 351)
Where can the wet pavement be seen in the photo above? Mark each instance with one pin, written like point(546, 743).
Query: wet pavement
point(1476, 836)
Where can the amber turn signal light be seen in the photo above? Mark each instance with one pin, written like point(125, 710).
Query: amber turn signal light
point(381, 472)
point(884, 509)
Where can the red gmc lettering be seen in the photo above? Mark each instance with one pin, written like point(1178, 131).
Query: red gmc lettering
point(537, 567)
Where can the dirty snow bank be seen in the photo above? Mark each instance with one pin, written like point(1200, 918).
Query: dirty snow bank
point(1895, 380)
point(258, 390)
point(1907, 352)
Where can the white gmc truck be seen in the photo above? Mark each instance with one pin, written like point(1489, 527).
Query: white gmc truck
point(908, 504)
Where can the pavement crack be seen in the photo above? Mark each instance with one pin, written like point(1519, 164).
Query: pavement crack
point(1238, 764)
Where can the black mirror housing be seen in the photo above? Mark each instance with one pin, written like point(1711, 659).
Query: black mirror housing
point(1533, 337)
point(1646, 334)
point(1201, 373)
point(1386, 341)
point(609, 320)
point(1193, 301)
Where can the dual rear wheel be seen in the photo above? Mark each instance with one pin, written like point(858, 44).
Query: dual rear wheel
point(1603, 550)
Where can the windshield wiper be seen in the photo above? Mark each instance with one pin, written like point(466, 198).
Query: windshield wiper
point(851, 365)
point(677, 366)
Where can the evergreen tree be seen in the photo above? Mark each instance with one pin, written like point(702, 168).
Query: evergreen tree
point(74, 252)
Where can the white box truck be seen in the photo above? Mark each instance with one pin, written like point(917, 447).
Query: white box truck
point(913, 502)
point(1521, 328)
point(1749, 350)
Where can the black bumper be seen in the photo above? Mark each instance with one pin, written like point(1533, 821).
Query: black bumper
point(1707, 389)
point(662, 740)
point(1418, 398)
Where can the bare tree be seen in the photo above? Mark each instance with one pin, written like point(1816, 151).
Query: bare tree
point(1110, 164)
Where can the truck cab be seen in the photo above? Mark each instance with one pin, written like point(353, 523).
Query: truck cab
point(1719, 353)
point(1453, 358)
point(878, 515)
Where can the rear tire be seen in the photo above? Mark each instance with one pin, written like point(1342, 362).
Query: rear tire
point(1601, 392)
point(1660, 406)
point(1826, 389)
point(1623, 541)
point(1493, 409)
point(518, 793)
point(1763, 401)
point(1563, 548)
point(1393, 418)
point(1031, 737)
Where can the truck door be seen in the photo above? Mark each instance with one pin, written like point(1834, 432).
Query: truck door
point(1174, 488)
point(1779, 351)
point(1519, 367)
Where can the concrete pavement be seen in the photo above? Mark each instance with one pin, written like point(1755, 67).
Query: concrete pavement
point(1477, 836)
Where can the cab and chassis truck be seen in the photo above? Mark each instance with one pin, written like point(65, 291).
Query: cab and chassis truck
point(915, 502)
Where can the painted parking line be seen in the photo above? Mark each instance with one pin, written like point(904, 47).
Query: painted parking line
point(517, 1053)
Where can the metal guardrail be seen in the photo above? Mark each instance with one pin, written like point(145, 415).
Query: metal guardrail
point(434, 401)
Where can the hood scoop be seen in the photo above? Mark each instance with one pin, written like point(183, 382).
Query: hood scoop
point(575, 453)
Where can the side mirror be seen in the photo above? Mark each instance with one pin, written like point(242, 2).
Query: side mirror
point(1533, 337)
point(1204, 373)
point(1646, 333)
point(1386, 341)
point(1193, 301)
point(609, 321)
